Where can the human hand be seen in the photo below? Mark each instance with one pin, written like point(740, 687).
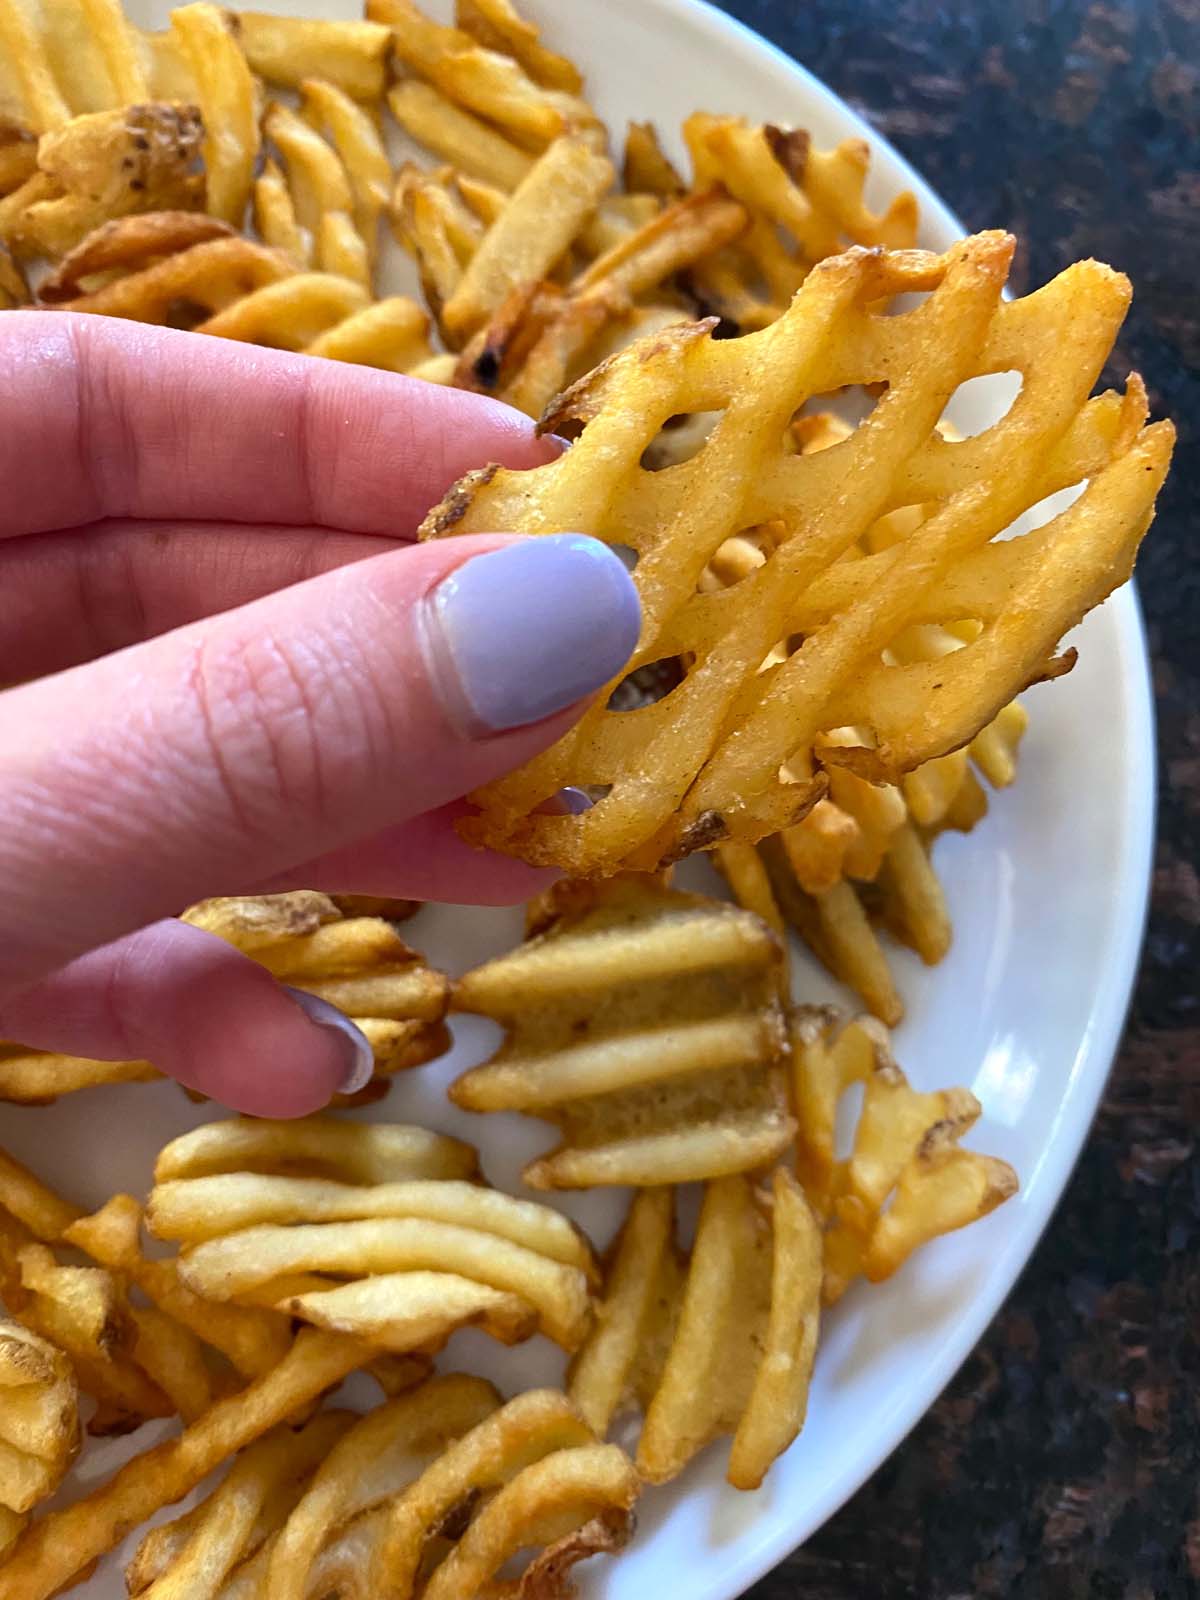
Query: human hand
point(242, 685)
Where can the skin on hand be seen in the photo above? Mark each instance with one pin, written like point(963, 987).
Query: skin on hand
point(247, 677)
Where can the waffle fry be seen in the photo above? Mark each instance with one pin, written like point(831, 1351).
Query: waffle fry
point(721, 1344)
point(208, 277)
point(63, 1544)
point(907, 1179)
point(39, 1418)
point(125, 246)
point(706, 763)
point(645, 1023)
point(423, 1251)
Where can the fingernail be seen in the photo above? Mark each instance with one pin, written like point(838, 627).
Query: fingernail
point(521, 632)
point(355, 1047)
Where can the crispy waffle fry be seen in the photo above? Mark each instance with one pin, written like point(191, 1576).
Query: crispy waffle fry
point(724, 1344)
point(288, 51)
point(578, 1503)
point(58, 1547)
point(481, 81)
point(371, 1465)
point(707, 762)
point(235, 1518)
point(39, 1418)
point(206, 278)
point(424, 1254)
point(126, 245)
point(906, 1179)
point(207, 39)
point(645, 1023)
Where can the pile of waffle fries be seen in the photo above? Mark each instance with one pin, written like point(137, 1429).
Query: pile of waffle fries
point(835, 633)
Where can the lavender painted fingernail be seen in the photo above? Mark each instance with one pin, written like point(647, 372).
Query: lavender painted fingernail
point(360, 1058)
point(526, 630)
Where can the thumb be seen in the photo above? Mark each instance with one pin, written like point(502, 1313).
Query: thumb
point(237, 748)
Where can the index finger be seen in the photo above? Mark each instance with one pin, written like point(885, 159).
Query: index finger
point(103, 418)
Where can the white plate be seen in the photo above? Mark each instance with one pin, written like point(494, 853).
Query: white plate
point(1048, 898)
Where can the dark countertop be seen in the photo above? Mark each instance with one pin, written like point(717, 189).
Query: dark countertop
point(1064, 1460)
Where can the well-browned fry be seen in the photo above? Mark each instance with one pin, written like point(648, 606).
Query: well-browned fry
point(126, 245)
point(39, 1420)
point(497, 26)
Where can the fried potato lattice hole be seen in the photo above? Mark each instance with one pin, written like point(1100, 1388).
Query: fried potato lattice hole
point(718, 1342)
point(359, 964)
point(739, 748)
point(375, 1231)
point(906, 1179)
point(39, 1419)
point(646, 1024)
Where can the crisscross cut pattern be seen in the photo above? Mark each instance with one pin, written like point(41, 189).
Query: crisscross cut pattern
point(707, 762)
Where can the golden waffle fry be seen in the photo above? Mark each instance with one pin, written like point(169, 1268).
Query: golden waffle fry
point(722, 1344)
point(208, 41)
point(373, 1464)
point(39, 1418)
point(578, 1503)
point(124, 246)
point(707, 762)
point(481, 81)
point(350, 55)
point(60, 1546)
point(906, 1179)
point(194, 1555)
point(392, 334)
point(259, 1206)
point(207, 277)
point(646, 1024)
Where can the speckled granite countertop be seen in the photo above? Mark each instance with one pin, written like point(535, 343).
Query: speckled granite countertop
point(1064, 1460)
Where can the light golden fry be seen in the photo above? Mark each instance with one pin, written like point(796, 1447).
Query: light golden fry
point(498, 27)
point(645, 1023)
point(225, 1268)
point(316, 1147)
point(288, 50)
point(18, 161)
point(192, 1210)
point(536, 228)
point(483, 82)
point(32, 96)
point(322, 196)
point(729, 776)
point(501, 1445)
point(293, 313)
point(39, 1418)
point(454, 135)
point(207, 38)
point(252, 1341)
point(54, 1550)
point(275, 217)
point(392, 334)
point(357, 141)
point(370, 1465)
point(221, 1532)
point(905, 1150)
point(412, 1310)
